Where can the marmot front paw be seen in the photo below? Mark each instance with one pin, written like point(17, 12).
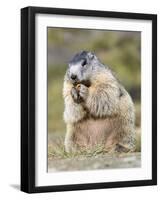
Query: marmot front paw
point(83, 91)
point(75, 95)
point(79, 93)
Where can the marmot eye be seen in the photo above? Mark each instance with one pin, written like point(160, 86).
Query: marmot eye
point(84, 62)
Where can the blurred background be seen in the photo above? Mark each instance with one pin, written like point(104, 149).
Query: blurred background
point(119, 50)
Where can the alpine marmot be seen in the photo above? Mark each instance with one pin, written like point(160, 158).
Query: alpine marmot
point(98, 109)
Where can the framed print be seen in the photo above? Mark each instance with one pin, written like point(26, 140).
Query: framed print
point(88, 99)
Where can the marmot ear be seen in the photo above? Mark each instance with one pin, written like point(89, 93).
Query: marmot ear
point(91, 55)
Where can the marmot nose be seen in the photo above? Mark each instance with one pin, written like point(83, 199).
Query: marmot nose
point(73, 77)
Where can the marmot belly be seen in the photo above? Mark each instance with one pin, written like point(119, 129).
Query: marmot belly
point(92, 132)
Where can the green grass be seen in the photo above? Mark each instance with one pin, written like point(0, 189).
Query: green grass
point(58, 151)
point(56, 148)
point(55, 99)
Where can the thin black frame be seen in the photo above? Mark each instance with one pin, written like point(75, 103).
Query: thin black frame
point(28, 98)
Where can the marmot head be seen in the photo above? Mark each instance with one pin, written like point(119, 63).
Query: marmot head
point(82, 66)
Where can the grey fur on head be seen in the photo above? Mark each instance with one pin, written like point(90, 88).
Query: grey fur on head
point(82, 65)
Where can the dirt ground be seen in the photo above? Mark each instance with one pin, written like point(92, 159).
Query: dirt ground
point(98, 162)
point(59, 161)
